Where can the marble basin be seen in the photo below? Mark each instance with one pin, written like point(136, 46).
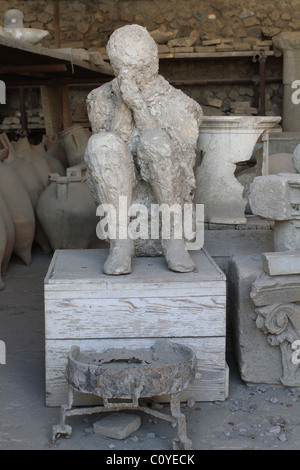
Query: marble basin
point(225, 141)
point(31, 35)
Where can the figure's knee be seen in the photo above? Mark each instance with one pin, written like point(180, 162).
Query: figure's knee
point(105, 145)
point(109, 161)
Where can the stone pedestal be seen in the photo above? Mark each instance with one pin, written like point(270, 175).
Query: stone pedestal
point(265, 317)
point(94, 311)
point(225, 141)
point(222, 241)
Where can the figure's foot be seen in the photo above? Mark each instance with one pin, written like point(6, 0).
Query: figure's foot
point(177, 256)
point(119, 258)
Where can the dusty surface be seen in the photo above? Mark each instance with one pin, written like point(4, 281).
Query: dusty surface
point(255, 418)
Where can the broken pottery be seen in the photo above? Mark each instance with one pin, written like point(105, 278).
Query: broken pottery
point(75, 140)
point(23, 150)
point(67, 213)
point(121, 374)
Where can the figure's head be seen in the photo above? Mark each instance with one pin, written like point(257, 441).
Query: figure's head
point(132, 47)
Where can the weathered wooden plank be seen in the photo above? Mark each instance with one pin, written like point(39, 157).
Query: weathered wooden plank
point(85, 307)
point(210, 55)
point(139, 317)
point(62, 291)
point(211, 382)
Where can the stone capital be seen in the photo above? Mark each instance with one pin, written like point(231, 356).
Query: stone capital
point(280, 322)
point(276, 197)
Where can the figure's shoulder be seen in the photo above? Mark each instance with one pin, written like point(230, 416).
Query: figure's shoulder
point(100, 107)
point(176, 95)
point(102, 92)
point(163, 83)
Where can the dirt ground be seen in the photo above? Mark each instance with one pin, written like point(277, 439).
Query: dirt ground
point(252, 418)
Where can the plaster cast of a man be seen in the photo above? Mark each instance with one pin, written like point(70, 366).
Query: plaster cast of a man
point(141, 126)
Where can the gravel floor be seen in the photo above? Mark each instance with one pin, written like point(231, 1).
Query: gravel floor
point(252, 418)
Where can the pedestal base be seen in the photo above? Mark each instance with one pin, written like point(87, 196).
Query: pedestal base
point(264, 312)
point(94, 311)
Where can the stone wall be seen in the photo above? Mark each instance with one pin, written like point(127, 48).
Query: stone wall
point(198, 25)
point(88, 23)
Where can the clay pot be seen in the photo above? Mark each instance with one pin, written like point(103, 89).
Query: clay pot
point(3, 154)
point(21, 211)
point(33, 184)
point(10, 234)
point(25, 170)
point(2, 248)
point(75, 140)
point(55, 147)
point(54, 164)
point(67, 213)
point(23, 150)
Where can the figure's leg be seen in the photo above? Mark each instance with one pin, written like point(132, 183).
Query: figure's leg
point(161, 168)
point(112, 173)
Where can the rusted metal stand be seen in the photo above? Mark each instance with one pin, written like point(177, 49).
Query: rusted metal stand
point(176, 418)
point(127, 388)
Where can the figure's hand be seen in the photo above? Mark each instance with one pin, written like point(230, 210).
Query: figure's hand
point(122, 119)
point(129, 90)
point(132, 97)
point(116, 89)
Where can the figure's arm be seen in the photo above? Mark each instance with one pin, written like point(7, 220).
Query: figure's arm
point(108, 112)
point(122, 118)
point(100, 107)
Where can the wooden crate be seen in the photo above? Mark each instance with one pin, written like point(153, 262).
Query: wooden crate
point(94, 311)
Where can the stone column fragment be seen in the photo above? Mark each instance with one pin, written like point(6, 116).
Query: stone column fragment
point(289, 44)
point(277, 197)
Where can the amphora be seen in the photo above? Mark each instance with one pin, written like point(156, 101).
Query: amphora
point(67, 212)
